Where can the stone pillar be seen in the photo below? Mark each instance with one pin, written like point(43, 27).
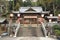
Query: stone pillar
point(18, 19)
point(50, 20)
point(18, 26)
point(10, 22)
point(18, 15)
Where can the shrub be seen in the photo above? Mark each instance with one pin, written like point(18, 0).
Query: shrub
point(56, 29)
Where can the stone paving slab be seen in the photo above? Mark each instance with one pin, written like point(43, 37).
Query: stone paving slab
point(26, 38)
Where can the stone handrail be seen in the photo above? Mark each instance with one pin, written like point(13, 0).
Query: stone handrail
point(44, 29)
point(16, 31)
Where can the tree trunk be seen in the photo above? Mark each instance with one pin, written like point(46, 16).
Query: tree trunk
point(54, 9)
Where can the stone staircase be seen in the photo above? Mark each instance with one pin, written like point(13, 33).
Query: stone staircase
point(30, 32)
point(39, 32)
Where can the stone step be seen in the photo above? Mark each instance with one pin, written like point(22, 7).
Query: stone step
point(39, 32)
point(30, 31)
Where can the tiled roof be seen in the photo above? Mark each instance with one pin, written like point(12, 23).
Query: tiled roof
point(33, 10)
point(37, 9)
point(15, 11)
point(23, 9)
point(2, 20)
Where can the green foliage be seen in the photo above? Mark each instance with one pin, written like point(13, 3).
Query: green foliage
point(57, 12)
point(17, 6)
point(27, 3)
point(20, 2)
point(56, 27)
point(50, 5)
point(34, 4)
point(56, 30)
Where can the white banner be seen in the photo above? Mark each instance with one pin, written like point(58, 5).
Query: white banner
point(30, 16)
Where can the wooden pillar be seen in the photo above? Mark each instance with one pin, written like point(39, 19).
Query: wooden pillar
point(5, 27)
point(23, 20)
point(37, 20)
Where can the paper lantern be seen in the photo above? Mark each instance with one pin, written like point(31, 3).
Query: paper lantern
point(51, 14)
point(42, 15)
point(11, 15)
point(18, 15)
point(50, 20)
point(58, 14)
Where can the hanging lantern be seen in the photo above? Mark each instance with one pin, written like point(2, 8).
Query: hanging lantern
point(11, 15)
point(50, 20)
point(51, 14)
point(18, 15)
point(42, 15)
point(59, 15)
